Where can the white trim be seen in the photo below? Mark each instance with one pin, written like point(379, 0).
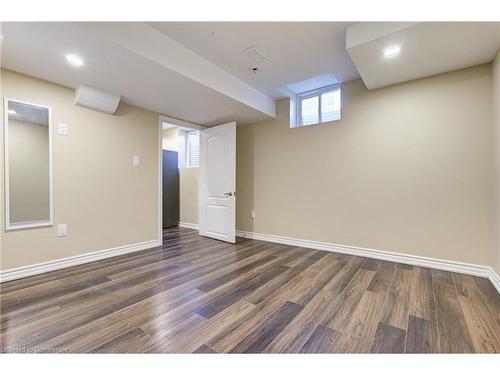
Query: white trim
point(53, 265)
point(180, 123)
point(29, 224)
point(183, 224)
point(495, 279)
point(26, 224)
point(414, 260)
point(160, 180)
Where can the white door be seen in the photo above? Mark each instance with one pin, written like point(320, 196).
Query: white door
point(218, 182)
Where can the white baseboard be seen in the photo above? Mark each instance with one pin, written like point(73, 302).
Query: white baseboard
point(495, 280)
point(53, 265)
point(446, 265)
point(183, 224)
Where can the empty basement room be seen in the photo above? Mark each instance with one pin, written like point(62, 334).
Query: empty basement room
point(181, 187)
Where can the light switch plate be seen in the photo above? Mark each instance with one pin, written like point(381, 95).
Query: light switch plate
point(62, 129)
point(136, 160)
point(62, 230)
point(252, 214)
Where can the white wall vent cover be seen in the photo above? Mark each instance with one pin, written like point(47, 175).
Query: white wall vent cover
point(255, 54)
point(100, 100)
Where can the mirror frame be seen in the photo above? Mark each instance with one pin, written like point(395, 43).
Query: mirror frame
point(35, 223)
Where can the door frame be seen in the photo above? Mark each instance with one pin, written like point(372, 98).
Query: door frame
point(179, 123)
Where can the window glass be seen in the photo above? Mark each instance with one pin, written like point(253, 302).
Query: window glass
point(330, 106)
point(310, 110)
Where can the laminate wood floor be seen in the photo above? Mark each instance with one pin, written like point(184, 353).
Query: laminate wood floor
point(198, 295)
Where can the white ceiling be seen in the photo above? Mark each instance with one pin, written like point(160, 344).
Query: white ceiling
point(198, 72)
point(427, 48)
point(296, 51)
point(38, 49)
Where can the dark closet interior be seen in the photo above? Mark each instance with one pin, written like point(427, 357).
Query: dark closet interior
point(170, 189)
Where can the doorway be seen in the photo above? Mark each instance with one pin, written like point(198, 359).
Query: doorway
point(180, 158)
point(198, 178)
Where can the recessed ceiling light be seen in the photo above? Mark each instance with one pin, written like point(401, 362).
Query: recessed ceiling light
point(74, 60)
point(392, 51)
point(12, 112)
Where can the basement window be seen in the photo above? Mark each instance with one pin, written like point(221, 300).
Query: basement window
point(318, 106)
point(193, 149)
point(188, 148)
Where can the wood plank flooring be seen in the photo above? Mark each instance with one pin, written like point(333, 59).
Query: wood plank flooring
point(198, 295)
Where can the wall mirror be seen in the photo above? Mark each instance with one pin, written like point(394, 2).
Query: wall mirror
point(28, 165)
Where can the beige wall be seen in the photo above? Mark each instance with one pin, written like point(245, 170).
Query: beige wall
point(407, 169)
point(496, 125)
point(29, 192)
point(189, 187)
point(105, 201)
point(170, 139)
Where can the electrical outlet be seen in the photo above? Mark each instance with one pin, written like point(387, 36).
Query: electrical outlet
point(252, 214)
point(62, 230)
point(62, 129)
point(136, 160)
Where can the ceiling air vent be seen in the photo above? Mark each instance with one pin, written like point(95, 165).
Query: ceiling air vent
point(255, 54)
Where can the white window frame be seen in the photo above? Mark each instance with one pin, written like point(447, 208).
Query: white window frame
point(311, 94)
point(188, 149)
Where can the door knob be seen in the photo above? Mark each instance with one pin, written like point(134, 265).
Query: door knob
point(230, 194)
